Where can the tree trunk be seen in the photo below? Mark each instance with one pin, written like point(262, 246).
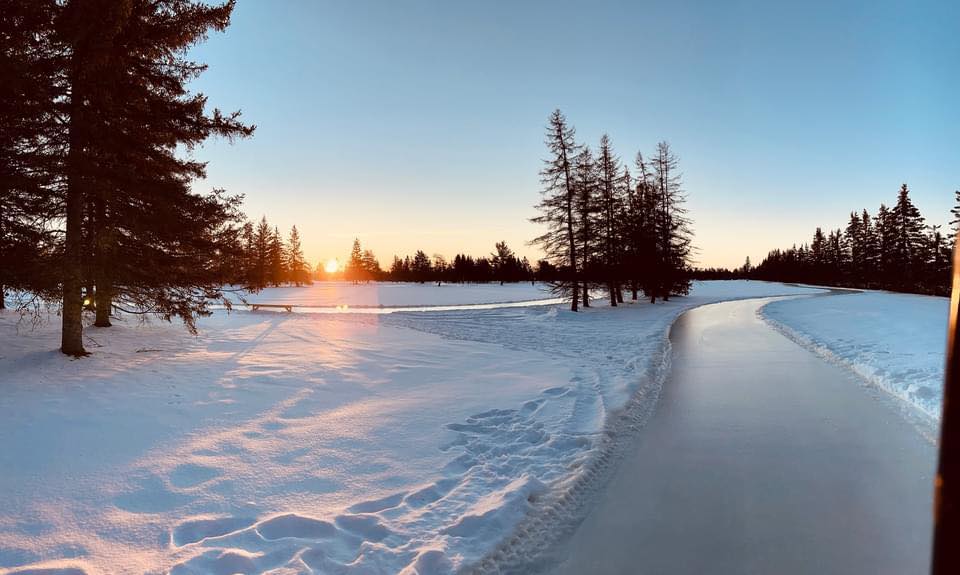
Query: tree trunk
point(71, 336)
point(104, 301)
point(3, 295)
point(619, 293)
point(586, 295)
point(613, 294)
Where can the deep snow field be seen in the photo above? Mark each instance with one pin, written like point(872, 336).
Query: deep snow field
point(894, 341)
point(307, 443)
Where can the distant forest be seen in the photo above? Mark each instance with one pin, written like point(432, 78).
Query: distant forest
point(502, 266)
point(893, 250)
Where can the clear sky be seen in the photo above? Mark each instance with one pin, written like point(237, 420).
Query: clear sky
point(419, 125)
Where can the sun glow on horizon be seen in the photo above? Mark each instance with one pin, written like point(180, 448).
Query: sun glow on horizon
point(331, 266)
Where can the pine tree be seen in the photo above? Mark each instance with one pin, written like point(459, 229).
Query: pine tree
point(955, 212)
point(420, 267)
point(673, 234)
point(557, 205)
point(885, 244)
point(909, 242)
point(504, 263)
point(296, 265)
point(869, 259)
point(31, 86)
point(609, 205)
point(262, 241)
point(371, 266)
point(585, 215)
point(853, 246)
point(128, 114)
point(355, 271)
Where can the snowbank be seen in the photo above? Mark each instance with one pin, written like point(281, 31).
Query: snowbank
point(895, 341)
point(412, 442)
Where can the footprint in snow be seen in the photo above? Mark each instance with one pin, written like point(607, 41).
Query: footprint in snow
point(292, 525)
point(200, 529)
point(191, 474)
point(375, 505)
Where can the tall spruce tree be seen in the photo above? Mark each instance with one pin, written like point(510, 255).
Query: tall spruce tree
point(586, 208)
point(354, 270)
point(31, 88)
point(557, 205)
point(673, 234)
point(129, 113)
point(908, 232)
point(609, 205)
point(297, 267)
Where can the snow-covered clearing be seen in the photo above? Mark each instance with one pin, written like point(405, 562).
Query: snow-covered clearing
point(375, 295)
point(895, 341)
point(300, 443)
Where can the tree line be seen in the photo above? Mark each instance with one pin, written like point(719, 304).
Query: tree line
point(502, 266)
point(263, 258)
point(894, 249)
point(608, 227)
point(96, 204)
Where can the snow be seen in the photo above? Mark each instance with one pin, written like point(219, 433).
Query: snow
point(374, 295)
point(290, 443)
point(894, 341)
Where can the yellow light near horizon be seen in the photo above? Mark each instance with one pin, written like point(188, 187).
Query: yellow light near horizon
point(331, 266)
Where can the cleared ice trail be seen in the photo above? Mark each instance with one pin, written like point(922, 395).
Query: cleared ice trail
point(760, 458)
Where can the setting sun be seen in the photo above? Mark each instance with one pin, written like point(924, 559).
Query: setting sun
point(331, 266)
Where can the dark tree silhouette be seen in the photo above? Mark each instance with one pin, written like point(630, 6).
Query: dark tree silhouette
point(609, 207)
point(894, 251)
point(557, 205)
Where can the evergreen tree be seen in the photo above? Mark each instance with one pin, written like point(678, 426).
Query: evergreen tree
point(908, 232)
point(262, 266)
point(853, 246)
point(370, 265)
point(297, 266)
point(128, 113)
point(585, 215)
point(673, 234)
point(557, 205)
point(420, 267)
point(31, 86)
point(870, 244)
point(504, 263)
point(355, 270)
point(276, 259)
point(609, 206)
point(955, 212)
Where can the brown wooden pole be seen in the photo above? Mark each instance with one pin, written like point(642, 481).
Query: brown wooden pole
point(946, 512)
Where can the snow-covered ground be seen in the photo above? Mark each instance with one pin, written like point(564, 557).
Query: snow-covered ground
point(895, 341)
point(299, 443)
point(374, 295)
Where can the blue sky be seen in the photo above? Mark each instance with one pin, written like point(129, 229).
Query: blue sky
point(419, 125)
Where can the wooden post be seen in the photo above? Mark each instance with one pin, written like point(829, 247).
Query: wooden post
point(946, 503)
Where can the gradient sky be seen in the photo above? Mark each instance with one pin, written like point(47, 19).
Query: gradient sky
point(419, 125)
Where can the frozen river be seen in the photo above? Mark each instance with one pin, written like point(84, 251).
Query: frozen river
point(762, 458)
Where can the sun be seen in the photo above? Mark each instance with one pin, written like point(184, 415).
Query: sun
point(331, 266)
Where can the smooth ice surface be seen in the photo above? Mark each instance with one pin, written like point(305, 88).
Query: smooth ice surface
point(895, 341)
point(297, 442)
point(761, 458)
